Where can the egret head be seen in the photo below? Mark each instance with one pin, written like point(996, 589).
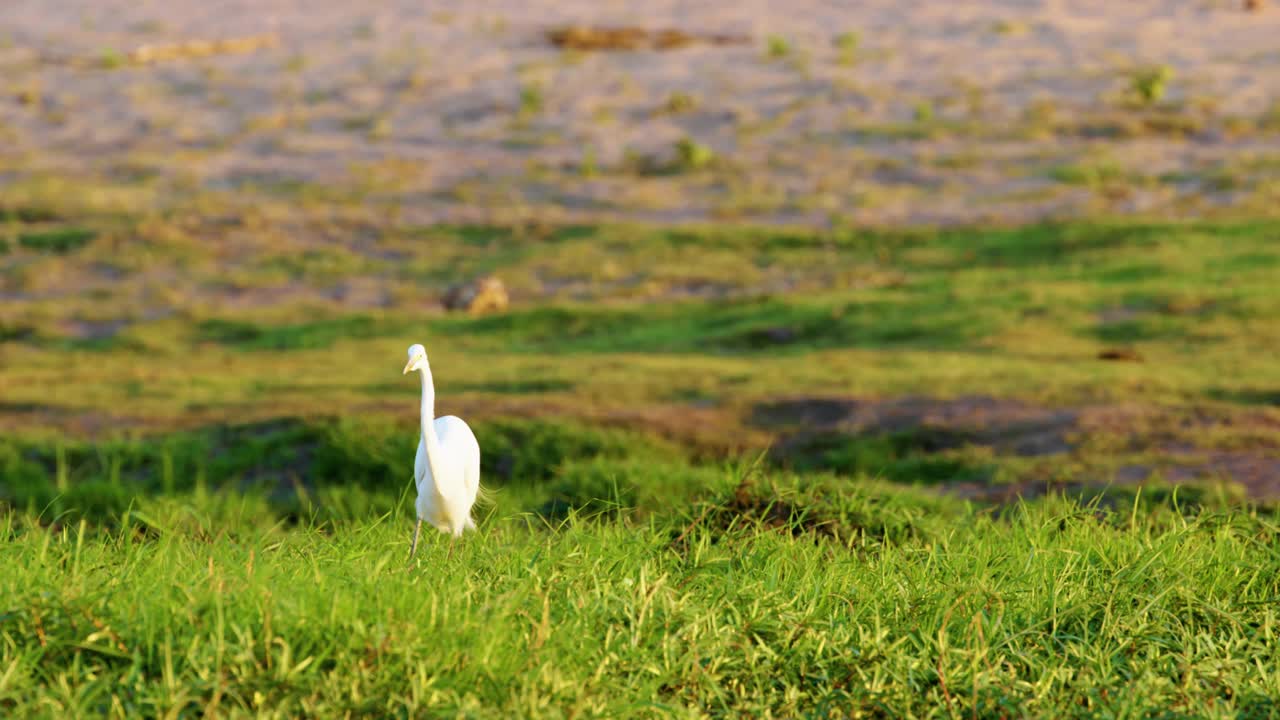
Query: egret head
point(417, 359)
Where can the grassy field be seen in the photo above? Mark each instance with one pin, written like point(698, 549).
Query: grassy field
point(737, 471)
point(862, 359)
point(867, 601)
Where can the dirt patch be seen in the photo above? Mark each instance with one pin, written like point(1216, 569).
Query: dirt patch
point(94, 330)
point(712, 432)
point(960, 443)
point(577, 37)
point(1234, 476)
point(75, 422)
point(705, 432)
point(1259, 475)
point(1010, 426)
point(1027, 87)
point(1195, 445)
point(1182, 430)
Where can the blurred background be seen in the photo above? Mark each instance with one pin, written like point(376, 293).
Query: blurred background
point(992, 245)
point(870, 112)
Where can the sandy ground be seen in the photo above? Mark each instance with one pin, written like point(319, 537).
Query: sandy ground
point(946, 112)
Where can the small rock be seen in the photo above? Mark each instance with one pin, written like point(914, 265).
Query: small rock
point(480, 295)
point(1253, 5)
point(1120, 355)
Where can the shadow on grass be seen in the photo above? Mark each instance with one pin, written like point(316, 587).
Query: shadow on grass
point(911, 456)
point(57, 241)
point(313, 335)
point(927, 320)
point(824, 485)
point(1252, 396)
point(288, 461)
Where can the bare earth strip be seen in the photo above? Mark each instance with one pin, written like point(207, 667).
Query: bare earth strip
point(871, 112)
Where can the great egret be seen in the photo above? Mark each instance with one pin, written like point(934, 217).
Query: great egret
point(446, 469)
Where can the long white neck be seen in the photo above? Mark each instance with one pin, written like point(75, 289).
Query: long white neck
point(430, 442)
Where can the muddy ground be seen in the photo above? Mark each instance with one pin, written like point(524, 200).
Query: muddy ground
point(806, 112)
point(1104, 445)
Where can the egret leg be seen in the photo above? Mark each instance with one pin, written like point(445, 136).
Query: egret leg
point(449, 554)
point(417, 529)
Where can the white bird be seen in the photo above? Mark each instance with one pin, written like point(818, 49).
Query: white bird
point(446, 469)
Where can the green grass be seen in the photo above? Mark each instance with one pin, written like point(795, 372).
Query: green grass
point(871, 601)
point(658, 320)
point(300, 336)
point(286, 460)
point(777, 46)
point(58, 241)
point(727, 467)
point(1148, 84)
point(730, 327)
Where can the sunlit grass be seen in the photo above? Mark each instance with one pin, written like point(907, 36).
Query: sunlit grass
point(205, 508)
point(940, 313)
point(199, 603)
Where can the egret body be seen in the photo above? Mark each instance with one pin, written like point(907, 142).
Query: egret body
point(446, 469)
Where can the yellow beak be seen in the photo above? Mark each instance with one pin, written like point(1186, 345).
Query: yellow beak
point(407, 367)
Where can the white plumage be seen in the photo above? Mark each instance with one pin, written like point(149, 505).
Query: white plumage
point(446, 468)
point(446, 504)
